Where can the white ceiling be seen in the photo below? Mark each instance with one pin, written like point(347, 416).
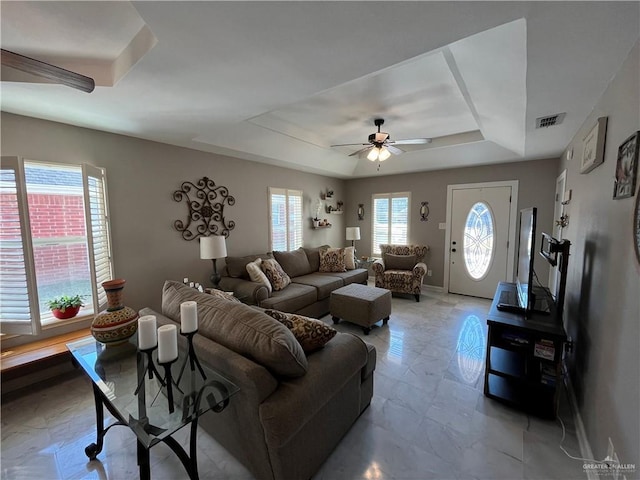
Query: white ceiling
point(279, 82)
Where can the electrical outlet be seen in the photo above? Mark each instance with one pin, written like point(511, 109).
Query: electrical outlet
point(429, 273)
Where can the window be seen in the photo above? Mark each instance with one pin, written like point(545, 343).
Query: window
point(54, 240)
point(478, 241)
point(390, 219)
point(285, 208)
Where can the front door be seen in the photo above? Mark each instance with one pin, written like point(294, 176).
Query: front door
point(481, 238)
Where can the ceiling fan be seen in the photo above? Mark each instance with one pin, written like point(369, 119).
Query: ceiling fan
point(46, 70)
point(380, 145)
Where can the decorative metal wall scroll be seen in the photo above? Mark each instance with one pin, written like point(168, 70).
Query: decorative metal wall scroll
point(206, 202)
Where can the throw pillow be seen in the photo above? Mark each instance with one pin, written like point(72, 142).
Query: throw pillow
point(398, 262)
point(350, 258)
point(277, 277)
point(311, 333)
point(224, 295)
point(257, 275)
point(332, 260)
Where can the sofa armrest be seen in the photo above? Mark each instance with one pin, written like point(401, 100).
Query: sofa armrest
point(245, 290)
point(420, 270)
point(378, 266)
point(254, 380)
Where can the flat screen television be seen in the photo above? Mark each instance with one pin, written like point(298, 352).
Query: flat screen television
point(526, 255)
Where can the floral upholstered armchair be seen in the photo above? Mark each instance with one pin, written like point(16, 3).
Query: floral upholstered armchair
point(401, 268)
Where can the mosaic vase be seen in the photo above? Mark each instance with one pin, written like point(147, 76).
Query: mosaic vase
point(118, 322)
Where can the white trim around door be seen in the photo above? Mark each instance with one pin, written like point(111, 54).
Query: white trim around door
point(513, 217)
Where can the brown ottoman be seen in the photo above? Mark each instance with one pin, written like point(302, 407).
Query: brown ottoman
point(361, 305)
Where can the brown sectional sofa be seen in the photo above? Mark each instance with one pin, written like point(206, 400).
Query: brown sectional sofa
point(309, 291)
point(292, 408)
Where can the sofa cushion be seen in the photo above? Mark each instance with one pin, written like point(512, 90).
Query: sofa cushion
point(293, 298)
point(350, 258)
point(359, 275)
point(398, 262)
point(240, 328)
point(332, 260)
point(312, 334)
point(257, 275)
point(237, 266)
point(313, 255)
point(325, 284)
point(294, 263)
point(277, 277)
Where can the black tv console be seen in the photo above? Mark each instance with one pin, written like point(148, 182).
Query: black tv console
point(524, 358)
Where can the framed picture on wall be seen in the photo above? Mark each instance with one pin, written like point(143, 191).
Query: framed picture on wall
point(627, 168)
point(593, 146)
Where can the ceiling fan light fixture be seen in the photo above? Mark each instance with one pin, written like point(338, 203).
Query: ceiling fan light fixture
point(373, 154)
point(384, 154)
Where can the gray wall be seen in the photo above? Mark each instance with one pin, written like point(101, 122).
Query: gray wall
point(536, 188)
point(603, 284)
point(142, 177)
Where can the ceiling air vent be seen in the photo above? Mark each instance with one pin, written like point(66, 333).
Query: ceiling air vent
point(550, 120)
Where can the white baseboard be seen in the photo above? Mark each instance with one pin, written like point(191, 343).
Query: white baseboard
point(581, 433)
point(433, 288)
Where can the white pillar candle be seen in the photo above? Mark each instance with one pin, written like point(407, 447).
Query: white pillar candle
point(147, 334)
point(167, 343)
point(188, 317)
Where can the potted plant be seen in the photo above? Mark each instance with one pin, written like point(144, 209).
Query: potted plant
point(65, 306)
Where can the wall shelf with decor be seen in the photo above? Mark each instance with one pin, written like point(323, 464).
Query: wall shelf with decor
point(322, 226)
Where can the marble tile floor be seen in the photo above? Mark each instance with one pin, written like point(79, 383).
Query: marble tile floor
point(428, 418)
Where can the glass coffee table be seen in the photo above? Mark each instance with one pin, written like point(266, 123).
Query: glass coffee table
point(121, 383)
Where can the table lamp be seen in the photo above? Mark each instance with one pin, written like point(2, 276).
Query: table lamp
point(213, 247)
point(353, 233)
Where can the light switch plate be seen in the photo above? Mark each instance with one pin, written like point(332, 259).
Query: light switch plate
point(442, 226)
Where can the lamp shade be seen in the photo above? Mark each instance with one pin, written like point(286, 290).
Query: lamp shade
point(213, 246)
point(353, 233)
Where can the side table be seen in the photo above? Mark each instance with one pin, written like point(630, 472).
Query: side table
point(118, 371)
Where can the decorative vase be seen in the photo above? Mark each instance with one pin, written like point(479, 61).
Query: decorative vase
point(69, 312)
point(117, 323)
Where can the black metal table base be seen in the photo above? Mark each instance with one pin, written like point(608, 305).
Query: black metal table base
point(189, 461)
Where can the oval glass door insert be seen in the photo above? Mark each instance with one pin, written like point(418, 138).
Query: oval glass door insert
point(478, 241)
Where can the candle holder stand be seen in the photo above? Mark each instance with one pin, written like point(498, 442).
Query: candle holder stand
point(168, 380)
point(191, 357)
point(150, 367)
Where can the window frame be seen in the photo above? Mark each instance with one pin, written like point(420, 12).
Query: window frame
point(375, 246)
point(37, 323)
point(292, 222)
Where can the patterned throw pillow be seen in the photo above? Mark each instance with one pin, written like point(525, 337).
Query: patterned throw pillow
point(332, 260)
point(276, 275)
point(257, 275)
point(311, 334)
point(350, 258)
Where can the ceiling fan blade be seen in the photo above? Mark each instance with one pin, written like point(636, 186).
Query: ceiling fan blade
point(411, 141)
point(349, 145)
point(46, 70)
point(394, 150)
point(361, 151)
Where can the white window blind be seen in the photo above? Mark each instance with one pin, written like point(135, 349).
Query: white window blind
point(55, 240)
point(390, 219)
point(19, 313)
point(98, 234)
point(285, 209)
